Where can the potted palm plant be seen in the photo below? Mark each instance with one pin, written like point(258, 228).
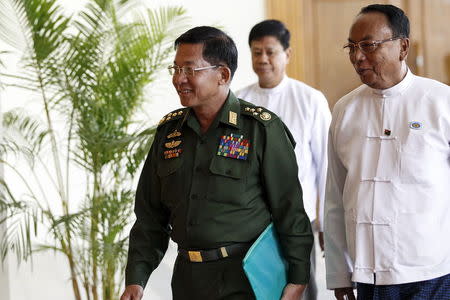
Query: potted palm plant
point(87, 73)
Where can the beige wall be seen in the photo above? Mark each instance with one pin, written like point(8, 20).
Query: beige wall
point(320, 29)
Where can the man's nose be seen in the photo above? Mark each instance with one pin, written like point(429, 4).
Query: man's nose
point(179, 77)
point(263, 58)
point(358, 55)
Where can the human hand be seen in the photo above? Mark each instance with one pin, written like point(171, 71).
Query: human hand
point(321, 241)
point(133, 292)
point(293, 291)
point(344, 293)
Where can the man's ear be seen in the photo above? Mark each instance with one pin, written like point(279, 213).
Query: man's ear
point(225, 75)
point(288, 52)
point(404, 48)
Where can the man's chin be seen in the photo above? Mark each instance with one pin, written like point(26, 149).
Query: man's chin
point(367, 79)
point(264, 75)
point(185, 100)
point(266, 81)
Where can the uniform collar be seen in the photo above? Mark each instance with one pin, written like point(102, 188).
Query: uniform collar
point(230, 111)
point(397, 89)
point(229, 114)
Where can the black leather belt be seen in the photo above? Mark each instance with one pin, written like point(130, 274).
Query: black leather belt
point(214, 254)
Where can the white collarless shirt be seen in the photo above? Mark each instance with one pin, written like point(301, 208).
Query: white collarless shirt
point(305, 112)
point(387, 211)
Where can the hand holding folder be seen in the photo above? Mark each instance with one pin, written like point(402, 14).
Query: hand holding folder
point(265, 266)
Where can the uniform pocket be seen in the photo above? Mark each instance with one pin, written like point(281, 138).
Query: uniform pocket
point(169, 173)
point(417, 160)
point(419, 243)
point(168, 167)
point(228, 179)
point(228, 167)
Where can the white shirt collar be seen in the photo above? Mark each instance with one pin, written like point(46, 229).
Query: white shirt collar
point(397, 89)
point(277, 89)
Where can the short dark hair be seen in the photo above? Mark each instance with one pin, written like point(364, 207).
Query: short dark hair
point(218, 47)
point(397, 20)
point(270, 28)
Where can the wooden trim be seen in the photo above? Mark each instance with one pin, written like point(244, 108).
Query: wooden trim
point(291, 14)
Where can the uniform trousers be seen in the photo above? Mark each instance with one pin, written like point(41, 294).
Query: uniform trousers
point(433, 289)
point(223, 279)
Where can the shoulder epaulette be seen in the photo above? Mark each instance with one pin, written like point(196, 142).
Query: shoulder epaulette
point(259, 113)
point(174, 115)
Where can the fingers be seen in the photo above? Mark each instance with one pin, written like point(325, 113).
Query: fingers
point(132, 292)
point(125, 296)
point(351, 295)
point(321, 241)
point(293, 291)
point(344, 294)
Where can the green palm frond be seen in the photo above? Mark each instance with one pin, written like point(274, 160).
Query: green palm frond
point(30, 130)
point(90, 71)
point(40, 26)
point(22, 219)
point(23, 137)
point(9, 25)
point(46, 26)
point(72, 219)
point(162, 29)
point(139, 149)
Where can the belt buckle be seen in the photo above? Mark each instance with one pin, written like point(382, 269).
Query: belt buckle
point(195, 256)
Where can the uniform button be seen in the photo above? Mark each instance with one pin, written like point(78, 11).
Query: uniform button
point(194, 196)
point(228, 172)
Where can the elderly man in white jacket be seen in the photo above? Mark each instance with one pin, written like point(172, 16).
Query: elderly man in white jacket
point(387, 210)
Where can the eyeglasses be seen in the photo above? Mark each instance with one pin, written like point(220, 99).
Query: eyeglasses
point(366, 46)
point(188, 71)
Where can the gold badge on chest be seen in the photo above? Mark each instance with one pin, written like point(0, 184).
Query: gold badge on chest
point(174, 134)
point(172, 144)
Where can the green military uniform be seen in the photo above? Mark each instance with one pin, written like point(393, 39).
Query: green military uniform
point(208, 190)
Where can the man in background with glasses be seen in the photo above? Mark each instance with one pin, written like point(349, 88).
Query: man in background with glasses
point(219, 171)
point(302, 108)
point(388, 188)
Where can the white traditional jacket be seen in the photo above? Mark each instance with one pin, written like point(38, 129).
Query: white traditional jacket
point(387, 210)
point(305, 112)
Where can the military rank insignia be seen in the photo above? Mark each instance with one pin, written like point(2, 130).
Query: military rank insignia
point(172, 146)
point(172, 153)
point(174, 134)
point(233, 146)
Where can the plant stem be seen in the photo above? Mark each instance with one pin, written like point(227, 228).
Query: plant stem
point(59, 177)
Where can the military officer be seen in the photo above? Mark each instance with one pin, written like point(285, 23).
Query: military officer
point(219, 171)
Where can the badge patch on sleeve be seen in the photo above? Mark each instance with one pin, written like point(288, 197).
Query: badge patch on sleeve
point(233, 146)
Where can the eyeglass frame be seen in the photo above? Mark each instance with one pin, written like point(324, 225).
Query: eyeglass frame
point(352, 45)
point(176, 70)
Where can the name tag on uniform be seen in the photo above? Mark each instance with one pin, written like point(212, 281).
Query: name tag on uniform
point(233, 146)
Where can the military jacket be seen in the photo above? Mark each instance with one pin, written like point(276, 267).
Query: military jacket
point(212, 189)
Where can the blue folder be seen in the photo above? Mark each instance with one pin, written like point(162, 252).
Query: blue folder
point(265, 266)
